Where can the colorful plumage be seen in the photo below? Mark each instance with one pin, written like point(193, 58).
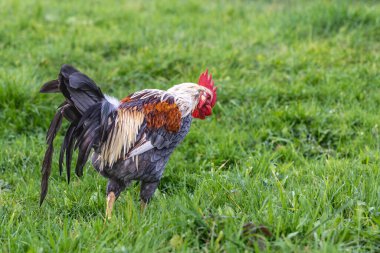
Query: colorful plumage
point(131, 139)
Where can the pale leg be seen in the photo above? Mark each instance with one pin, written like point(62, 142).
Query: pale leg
point(110, 201)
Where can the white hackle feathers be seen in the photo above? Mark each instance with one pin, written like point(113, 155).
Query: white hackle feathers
point(186, 96)
point(122, 138)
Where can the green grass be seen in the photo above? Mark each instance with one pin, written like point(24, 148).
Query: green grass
point(293, 143)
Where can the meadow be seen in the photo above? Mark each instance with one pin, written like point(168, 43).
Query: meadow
point(293, 143)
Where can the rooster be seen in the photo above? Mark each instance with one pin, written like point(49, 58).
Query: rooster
point(131, 139)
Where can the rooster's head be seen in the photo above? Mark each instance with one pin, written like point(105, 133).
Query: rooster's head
point(197, 99)
point(207, 97)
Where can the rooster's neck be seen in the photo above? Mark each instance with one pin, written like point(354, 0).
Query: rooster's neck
point(186, 97)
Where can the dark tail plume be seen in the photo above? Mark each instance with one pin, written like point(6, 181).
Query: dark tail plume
point(82, 108)
point(50, 87)
point(46, 165)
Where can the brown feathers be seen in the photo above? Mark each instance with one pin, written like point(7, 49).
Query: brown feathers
point(126, 99)
point(163, 114)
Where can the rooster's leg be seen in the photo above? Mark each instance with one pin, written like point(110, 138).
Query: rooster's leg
point(110, 201)
point(146, 192)
point(114, 188)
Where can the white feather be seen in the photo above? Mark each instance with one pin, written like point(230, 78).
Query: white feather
point(141, 149)
point(114, 101)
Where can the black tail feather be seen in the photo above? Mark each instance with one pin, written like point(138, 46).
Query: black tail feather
point(55, 125)
point(84, 152)
point(83, 108)
point(87, 135)
point(50, 87)
point(65, 146)
point(71, 113)
point(69, 156)
point(46, 165)
point(80, 90)
point(67, 70)
point(46, 170)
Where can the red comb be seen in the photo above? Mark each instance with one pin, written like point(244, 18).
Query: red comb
point(205, 80)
